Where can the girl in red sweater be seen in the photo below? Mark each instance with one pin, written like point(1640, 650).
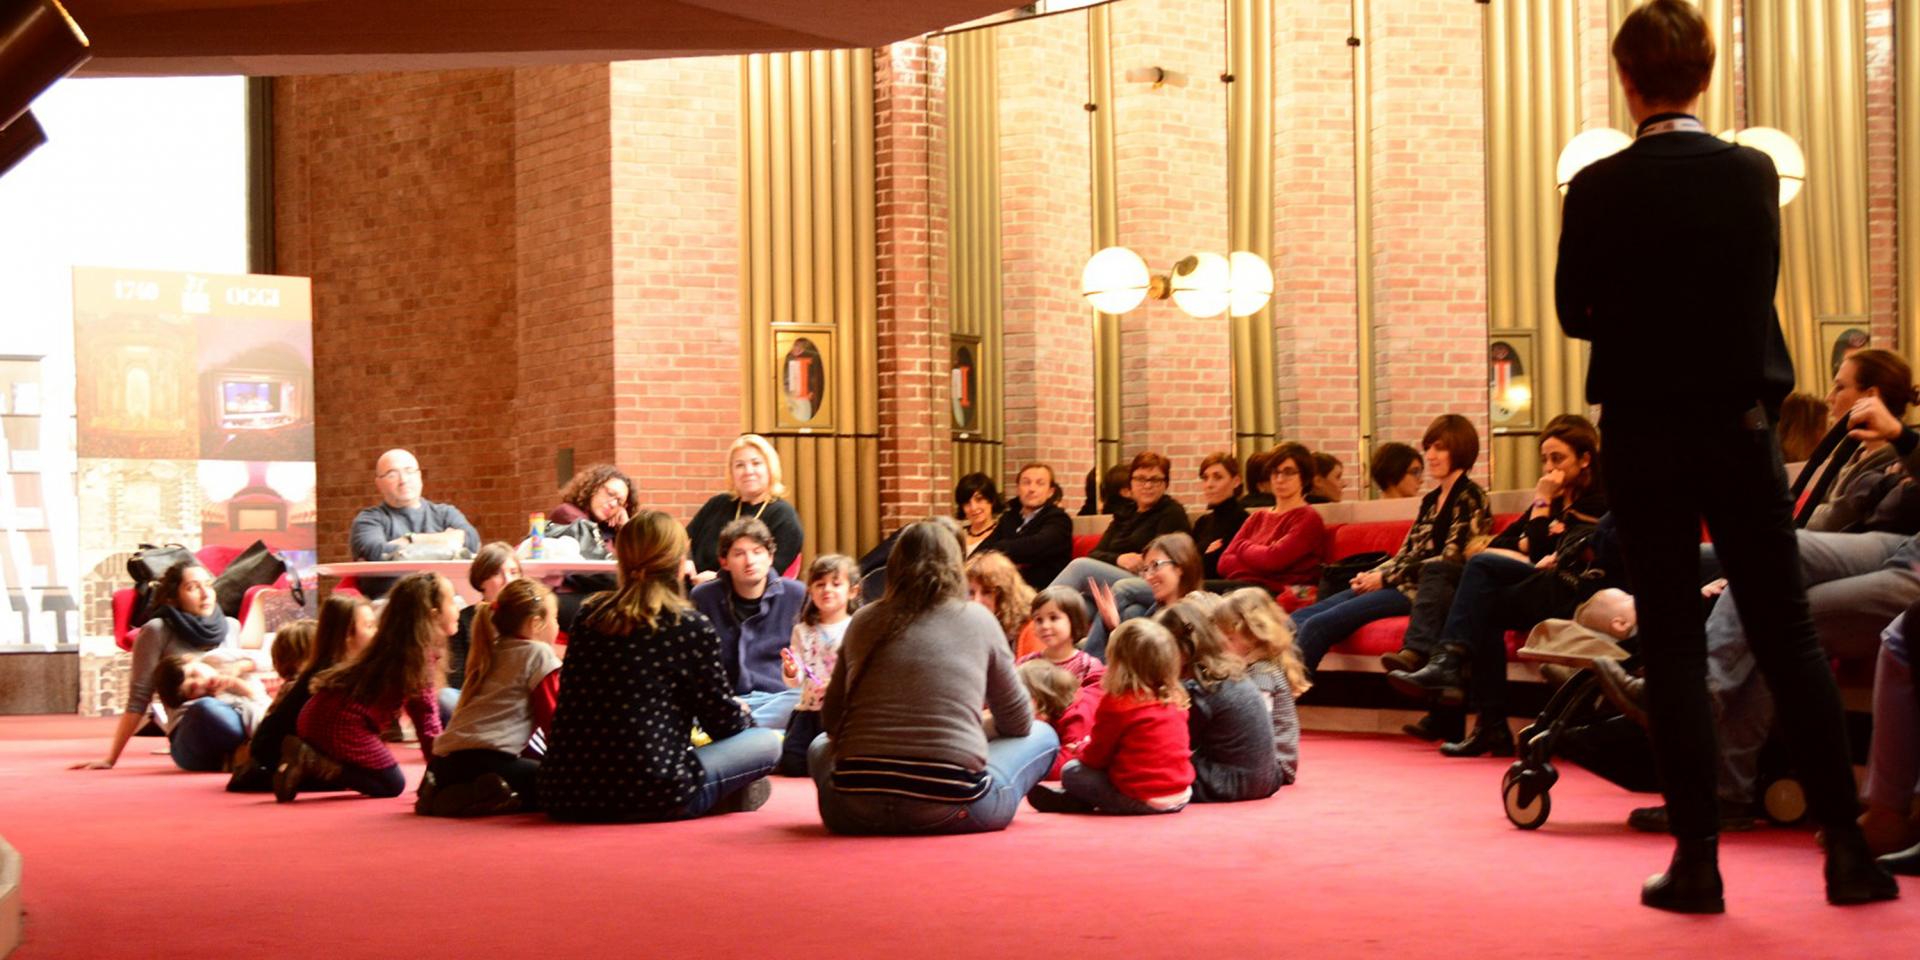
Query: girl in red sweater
point(1064, 704)
point(1136, 760)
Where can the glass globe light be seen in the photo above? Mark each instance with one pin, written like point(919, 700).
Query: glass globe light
point(1201, 285)
point(1115, 280)
point(1249, 283)
point(1787, 157)
point(1585, 148)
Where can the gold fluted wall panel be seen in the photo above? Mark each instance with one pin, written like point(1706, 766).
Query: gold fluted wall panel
point(1906, 98)
point(1363, 224)
point(1717, 108)
point(1250, 213)
point(973, 224)
point(807, 250)
point(1806, 75)
point(1533, 109)
point(1106, 233)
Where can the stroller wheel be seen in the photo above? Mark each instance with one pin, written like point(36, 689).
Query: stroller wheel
point(1784, 802)
point(1527, 805)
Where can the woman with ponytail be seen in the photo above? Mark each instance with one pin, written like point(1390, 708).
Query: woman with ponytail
point(479, 765)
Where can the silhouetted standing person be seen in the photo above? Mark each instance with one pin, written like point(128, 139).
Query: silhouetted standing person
point(1669, 256)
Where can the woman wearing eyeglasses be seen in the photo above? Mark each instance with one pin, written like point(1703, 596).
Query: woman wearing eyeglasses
point(1149, 513)
point(1282, 549)
point(1170, 568)
point(601, 493)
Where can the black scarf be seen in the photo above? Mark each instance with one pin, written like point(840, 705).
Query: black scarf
point(204, 632)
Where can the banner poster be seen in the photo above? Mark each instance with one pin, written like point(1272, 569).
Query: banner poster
point(193, 416)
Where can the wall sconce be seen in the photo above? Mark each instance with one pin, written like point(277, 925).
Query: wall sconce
point(1602, 142)
point(1202, 285)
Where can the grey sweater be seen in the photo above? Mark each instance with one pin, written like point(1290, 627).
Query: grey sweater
point(917, 694)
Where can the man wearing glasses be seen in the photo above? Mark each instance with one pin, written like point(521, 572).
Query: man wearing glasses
point(403, 517)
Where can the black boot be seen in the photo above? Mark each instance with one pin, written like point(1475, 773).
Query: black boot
point(1438, 726)
point(1692, 881)
point(1443, 680)
point(1491, 738)
point(1852, 875)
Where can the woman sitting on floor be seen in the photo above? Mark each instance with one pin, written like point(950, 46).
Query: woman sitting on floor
point(1452, 514)
point(1170, 570)
point(906, 750)
point(1282, 549)
point(643, 668)
point(187, 621)
point(754, 489)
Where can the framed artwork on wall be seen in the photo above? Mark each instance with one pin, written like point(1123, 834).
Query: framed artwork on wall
point(1510, 365)
point(804, 368)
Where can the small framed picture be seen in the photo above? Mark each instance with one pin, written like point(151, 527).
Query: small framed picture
point(1841, 337)
point(1510, 366)
point(963, 392)
point(803, 369)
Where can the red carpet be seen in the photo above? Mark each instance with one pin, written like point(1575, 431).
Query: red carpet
point(1384, 849)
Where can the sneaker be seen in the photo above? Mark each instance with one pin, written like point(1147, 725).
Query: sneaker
point(1051, 800)
point(751, 797)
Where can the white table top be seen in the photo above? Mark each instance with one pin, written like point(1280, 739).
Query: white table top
point(456, 570)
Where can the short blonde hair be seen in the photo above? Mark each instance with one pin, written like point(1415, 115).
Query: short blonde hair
point(1251, 614)
point(1052, 687)
point(776, 487)
point(1144, 662)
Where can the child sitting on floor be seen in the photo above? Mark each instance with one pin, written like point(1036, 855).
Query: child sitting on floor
point(1229, 724)
point(292, 648)
point(807, 662)
point(1064, 703)
point(479, 766)
point(1059, 623)
point(995, 583)
point(1136, 760)
point(346, 625)
point(178, 679)
point(1260, 633)
point(339, 729)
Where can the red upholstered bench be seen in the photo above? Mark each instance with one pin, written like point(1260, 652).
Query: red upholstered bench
point(1384, 636)
point(1083, 544)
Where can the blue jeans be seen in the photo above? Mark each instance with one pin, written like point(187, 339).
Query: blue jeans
point(771, 709)
point(731, 764)
point(1092, 786)
point(1076, 576)
point(1014, 766)
point(206, 736)
point(1334, 619)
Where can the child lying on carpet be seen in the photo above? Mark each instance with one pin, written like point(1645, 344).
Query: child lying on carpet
point(179, 679)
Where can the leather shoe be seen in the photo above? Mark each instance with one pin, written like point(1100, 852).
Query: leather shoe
point(1692, 881)
point(1405, 658)
point(1438, 727)
point(1734, 818)
point(1906, 863)
point(1442, 680)
point(1491, 738)
point(1852, 874)
point(1622, 689)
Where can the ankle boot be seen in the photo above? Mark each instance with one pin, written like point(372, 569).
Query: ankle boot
point(1438, 726)
point(1491, 738)
point(1852, 875)
point(1405, 658)
point(1692, 881)
point(1442, 680)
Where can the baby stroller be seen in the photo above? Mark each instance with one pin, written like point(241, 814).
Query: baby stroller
point(1580, 724)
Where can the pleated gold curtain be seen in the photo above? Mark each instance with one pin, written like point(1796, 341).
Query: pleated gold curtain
point(973, 273)
point(1106, 232)
point(1806, 75)
point(808, 285)
point(1250, 213)
point(1906, 31)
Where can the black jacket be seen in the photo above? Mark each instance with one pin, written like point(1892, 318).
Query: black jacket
point(1040, 547)
point(1669, 255)
point(1131, 530)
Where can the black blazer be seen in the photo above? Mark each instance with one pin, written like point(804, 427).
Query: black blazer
point(1669, 255)
point(1040, 548)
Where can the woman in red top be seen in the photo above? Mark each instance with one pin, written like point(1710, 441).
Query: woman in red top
point(1137, 759)
point(1282, 549)
point(339, 740)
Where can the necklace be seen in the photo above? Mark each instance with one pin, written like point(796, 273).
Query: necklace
point(739, 505)
point(981, 533)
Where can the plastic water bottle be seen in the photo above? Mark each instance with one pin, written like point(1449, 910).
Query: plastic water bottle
point(536, 537)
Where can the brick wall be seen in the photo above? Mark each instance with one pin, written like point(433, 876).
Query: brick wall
point(394, 192)
point(1429, 216)
point(1170, 157)
point(1046, 235)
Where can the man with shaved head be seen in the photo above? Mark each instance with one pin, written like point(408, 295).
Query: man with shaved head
point(404, 517)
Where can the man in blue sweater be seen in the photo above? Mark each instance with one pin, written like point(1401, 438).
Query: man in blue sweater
point(753, 609)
